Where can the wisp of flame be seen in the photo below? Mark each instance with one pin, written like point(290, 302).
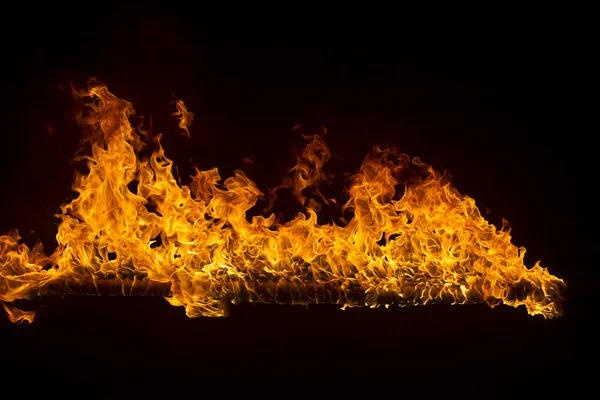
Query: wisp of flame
point(427, 244)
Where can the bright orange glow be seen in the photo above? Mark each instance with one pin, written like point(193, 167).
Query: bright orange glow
point(437, 246)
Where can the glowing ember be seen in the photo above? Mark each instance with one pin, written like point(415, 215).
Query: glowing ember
point(424, 245)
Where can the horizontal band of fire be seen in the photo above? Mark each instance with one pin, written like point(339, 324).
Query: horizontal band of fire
point(413, 239)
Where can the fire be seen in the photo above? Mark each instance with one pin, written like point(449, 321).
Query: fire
point(185, 117)
point(413, 239)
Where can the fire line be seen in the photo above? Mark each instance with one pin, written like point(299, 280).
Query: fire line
point(133, 230)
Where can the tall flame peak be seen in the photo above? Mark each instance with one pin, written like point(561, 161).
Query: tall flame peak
point(412, 239)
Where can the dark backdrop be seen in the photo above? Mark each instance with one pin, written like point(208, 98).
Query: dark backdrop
point(495, 108)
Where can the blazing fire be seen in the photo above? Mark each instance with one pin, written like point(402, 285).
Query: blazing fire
point(413, 239)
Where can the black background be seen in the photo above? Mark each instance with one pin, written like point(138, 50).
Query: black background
point(495, 108)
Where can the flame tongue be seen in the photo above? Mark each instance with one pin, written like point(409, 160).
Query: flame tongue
point(430, 244)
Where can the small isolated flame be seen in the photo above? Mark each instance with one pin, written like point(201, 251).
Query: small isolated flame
point(411, 234)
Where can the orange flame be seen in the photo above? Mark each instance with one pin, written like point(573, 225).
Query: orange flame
point(426, 244)
point(185, 117)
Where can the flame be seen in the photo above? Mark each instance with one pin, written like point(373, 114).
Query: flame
point(185, 118)
point(411, 234)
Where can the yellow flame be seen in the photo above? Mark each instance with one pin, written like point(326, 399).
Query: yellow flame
point(411, 232)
